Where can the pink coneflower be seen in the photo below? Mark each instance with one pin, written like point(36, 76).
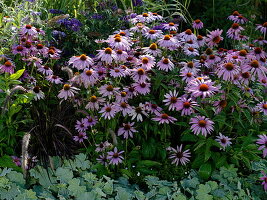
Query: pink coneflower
point(190, 66)
point(102, 146)
point(168, 42)
point(53, 53)
point(197, 24)
point(121, 56)
point(81, 62)
point(153, 108)
point(178, 156)
point(80, 137)
point(262, 107)
point(233, 16)
point(157, 16)
point(127, 130)
point(41, 49)
point(190, 51)
point(19, 49)
point(263, 142)
point(139, 28)
point(202, 88)
point(28, 30)
point(45, 70)
point(122, 97)
point(67, 91)
point(171, 99)
point(139, 75)
point(101, 71)
point(108, 111)
point(201, 124)
point(123, 107)
point(234, 31)
point(16, 160)
point(170, 26)
point(187, 76)
point(81, 126)
point(255, 68)
point(165, 64)
point(108, 90)
point(212, 59)
point(107, 55)
point(153, 34)
point(164, 118)
point(201, 40)
point(219, 105)
point(142, 87)
point(119, 43)
point(145, 18)
point(262, 28)
point(117, 72)
point(224, 141)
point(214, 38)
point(186, 106)
point(264, 179)
point(38, 93)
point(115, 156)
point(103, 160)
point(190, 43)
point(89, 77)
point(91, 120)
point(147, 61)
point(37, 62)
point(260, 41)
point(240, 19)
point(152, 50)
point(54, 79)
point(258, 52)
point(227, 71)
point(7, 67)
point(138, 112)
point(245, 77)
point(187, 35)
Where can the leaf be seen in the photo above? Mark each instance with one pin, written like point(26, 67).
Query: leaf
point(28, 194)
point(205, 171)
point(16, 75)
point(64, 175)
point(122, 194)
point(17, 178)
point(189, 138)
point(82, 162)
point(75, 188)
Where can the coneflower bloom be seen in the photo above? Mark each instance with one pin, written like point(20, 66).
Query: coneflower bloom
point(16, 160)
point(108, 90)
point(38, 93)
point(224, 141)
point(234, 31)
point(80, 137)
point(245, 77)
point(260, 41)
point(118, 42)
point(45, 70)
point(67, 91)
point(139, 75)
point(122, 97)
point(153, 34)
point(214, 38)
point(28, 30)
point(121, 56)
point(233, 16)
point(168, 42)
point(202, 88)
point(41, 49)
point(81, 62)
point(264, 179)
point(103, 160)
point(171, 100)
point(142, 87)
point(81, 126)
point(178, 156)
point(190, 51)
point(186, 106)
point(258, 52)
point(108, 111)
point(197, 24)
point(187, 76)
point(139, 28)
point(219, 105)
point(127, 130)
point(147, 61)
point(107, 55)
point(262, 107)
point(89, 77)
point(7, 67)
point(145, 17)
point(227, 71)
point(152, 50)
point(190, 66)
point(153, 108)
point(138, 112)
point(102, 146)
point(117, 72)
point(255, 68)
point(165, 64)
point(170, 26)
point(115, 156)
point(53, 53)
point(263, 142)
point(201, 40)
point(163, 118)
point(19, 49)
point(201, 124)
point(262, 28)
point(123, 107)
point(54, 79)
point(91, 120)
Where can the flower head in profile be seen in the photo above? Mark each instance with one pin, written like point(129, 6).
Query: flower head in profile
point(28, 30)
point(16, 160)
point(81, 62)
point(197, 24)
point(67, 91)
point(214, 38)
point(127, 130)
point(264, 179)
point(38, 93)
point(224, 141)
point(178, 156)
point(201, 125)
point(115, 157)
point(262, 28)
point(163, 118)
point(262, 141)
point(7, 67)
point(80, 137)
point(102, 146)
point(262, 107)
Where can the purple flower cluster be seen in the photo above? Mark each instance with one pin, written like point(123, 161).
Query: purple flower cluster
point(72, 24)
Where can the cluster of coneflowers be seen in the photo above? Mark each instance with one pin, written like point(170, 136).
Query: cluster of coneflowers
point(120, 77)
